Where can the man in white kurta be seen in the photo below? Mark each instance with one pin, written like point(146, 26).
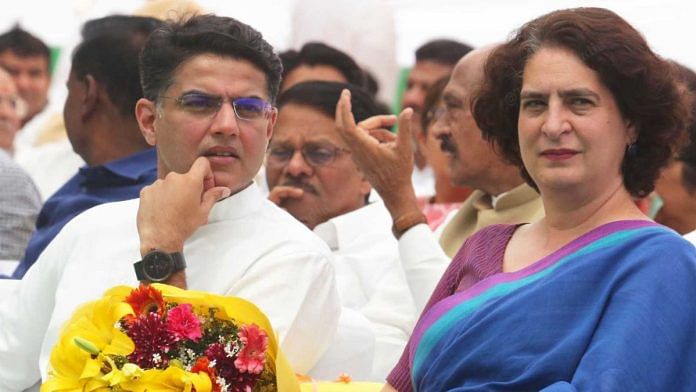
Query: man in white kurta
point(207, 106)
point(370, 278)
point(250, 248)
point(311, 174)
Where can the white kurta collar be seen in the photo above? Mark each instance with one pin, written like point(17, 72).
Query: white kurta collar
point(343, 229)
point(242, 203)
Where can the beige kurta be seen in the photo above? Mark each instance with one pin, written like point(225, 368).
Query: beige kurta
point(521, 204)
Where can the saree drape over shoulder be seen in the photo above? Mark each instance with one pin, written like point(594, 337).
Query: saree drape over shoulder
point(614, 309)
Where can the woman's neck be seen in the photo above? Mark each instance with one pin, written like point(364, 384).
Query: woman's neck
point(572, 212)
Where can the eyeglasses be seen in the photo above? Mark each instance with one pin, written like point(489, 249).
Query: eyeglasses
point(315, 155)
point(245, 108)
point(16, 103)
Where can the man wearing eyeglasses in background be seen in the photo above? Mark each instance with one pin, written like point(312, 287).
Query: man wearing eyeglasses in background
point(19, 199)
point(209, 85)
point(311, 174)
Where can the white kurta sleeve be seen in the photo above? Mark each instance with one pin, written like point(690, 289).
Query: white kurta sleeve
point(297, 292)
point(25, 315)
point(423, 261)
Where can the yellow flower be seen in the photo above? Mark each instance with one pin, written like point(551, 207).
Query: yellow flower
point(94, 326)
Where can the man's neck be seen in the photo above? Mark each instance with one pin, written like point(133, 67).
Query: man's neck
point(112, 140)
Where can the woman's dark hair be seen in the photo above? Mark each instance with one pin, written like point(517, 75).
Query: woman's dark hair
point(643, 85)
point(431, 98)
point(323, 96)
point(174, 43)
point(687, 150)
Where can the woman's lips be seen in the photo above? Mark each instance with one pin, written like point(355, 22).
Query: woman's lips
point(559, 154)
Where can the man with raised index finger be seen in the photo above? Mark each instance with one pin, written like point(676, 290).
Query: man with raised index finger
point(209, 85)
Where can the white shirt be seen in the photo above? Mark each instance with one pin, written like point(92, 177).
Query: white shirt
point(691, 237)
point(50, 165)
point(250, 248)
point(370, 278)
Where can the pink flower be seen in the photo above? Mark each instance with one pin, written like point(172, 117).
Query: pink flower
point(183, 323)
point(252, 356)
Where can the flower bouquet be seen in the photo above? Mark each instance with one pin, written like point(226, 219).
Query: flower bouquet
point(160, 338)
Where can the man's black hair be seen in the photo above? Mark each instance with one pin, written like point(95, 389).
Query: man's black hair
point(443, 51)
point(323, 96)
point(317, 53)
point(24, 44)
point(110, 53)
point(174, 43)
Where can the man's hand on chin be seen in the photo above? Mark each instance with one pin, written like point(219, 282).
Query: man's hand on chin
point(171, 209)
point(280, 193)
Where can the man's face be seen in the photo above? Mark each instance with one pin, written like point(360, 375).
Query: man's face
point(10, 110)
point(31, 77)
point(183, 129)
point(72, 110)
point(423, 75)
point(470, 157)
point(308, 153)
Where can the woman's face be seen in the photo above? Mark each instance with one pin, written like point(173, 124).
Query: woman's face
point(572, 135)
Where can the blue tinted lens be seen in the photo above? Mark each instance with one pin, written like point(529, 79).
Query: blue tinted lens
point(199, 102)
point(250, 108)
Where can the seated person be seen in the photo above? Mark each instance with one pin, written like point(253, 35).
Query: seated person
point(595, 295)
point(27, 59)
point(311, 174)
point(209, 85)
point(103, 87)
point(448, 197)
point(19, 199)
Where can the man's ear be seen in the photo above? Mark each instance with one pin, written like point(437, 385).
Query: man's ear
point(91, 97)
point(146, 114)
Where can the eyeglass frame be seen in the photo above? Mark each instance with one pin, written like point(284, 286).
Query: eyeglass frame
point(268, 108)
point(335, 153)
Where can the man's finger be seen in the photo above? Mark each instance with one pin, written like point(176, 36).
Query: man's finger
point(403, 137)
point(382, 135)
point(345, 122)
point(281, 192)
point(212, 196)
point(378, 121)
point(201, 170)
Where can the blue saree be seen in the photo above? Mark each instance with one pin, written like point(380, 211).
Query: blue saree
point(614, 309)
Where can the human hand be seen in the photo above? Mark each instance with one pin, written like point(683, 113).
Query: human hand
point(171, 209)
point(282, 192)
point(385, 159)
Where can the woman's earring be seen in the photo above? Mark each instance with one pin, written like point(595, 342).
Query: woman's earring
point(632, 150)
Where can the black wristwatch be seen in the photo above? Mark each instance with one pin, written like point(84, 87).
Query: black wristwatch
point(158, 266)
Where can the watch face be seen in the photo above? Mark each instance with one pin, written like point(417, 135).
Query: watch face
point(157, 266)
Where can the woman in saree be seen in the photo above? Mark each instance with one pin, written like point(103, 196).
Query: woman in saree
point(595, 296)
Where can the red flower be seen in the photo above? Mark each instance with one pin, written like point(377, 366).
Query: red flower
point(146, 299)
point(203, 365)
point(252, 356)
point(152, 341)
point(183, 323)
